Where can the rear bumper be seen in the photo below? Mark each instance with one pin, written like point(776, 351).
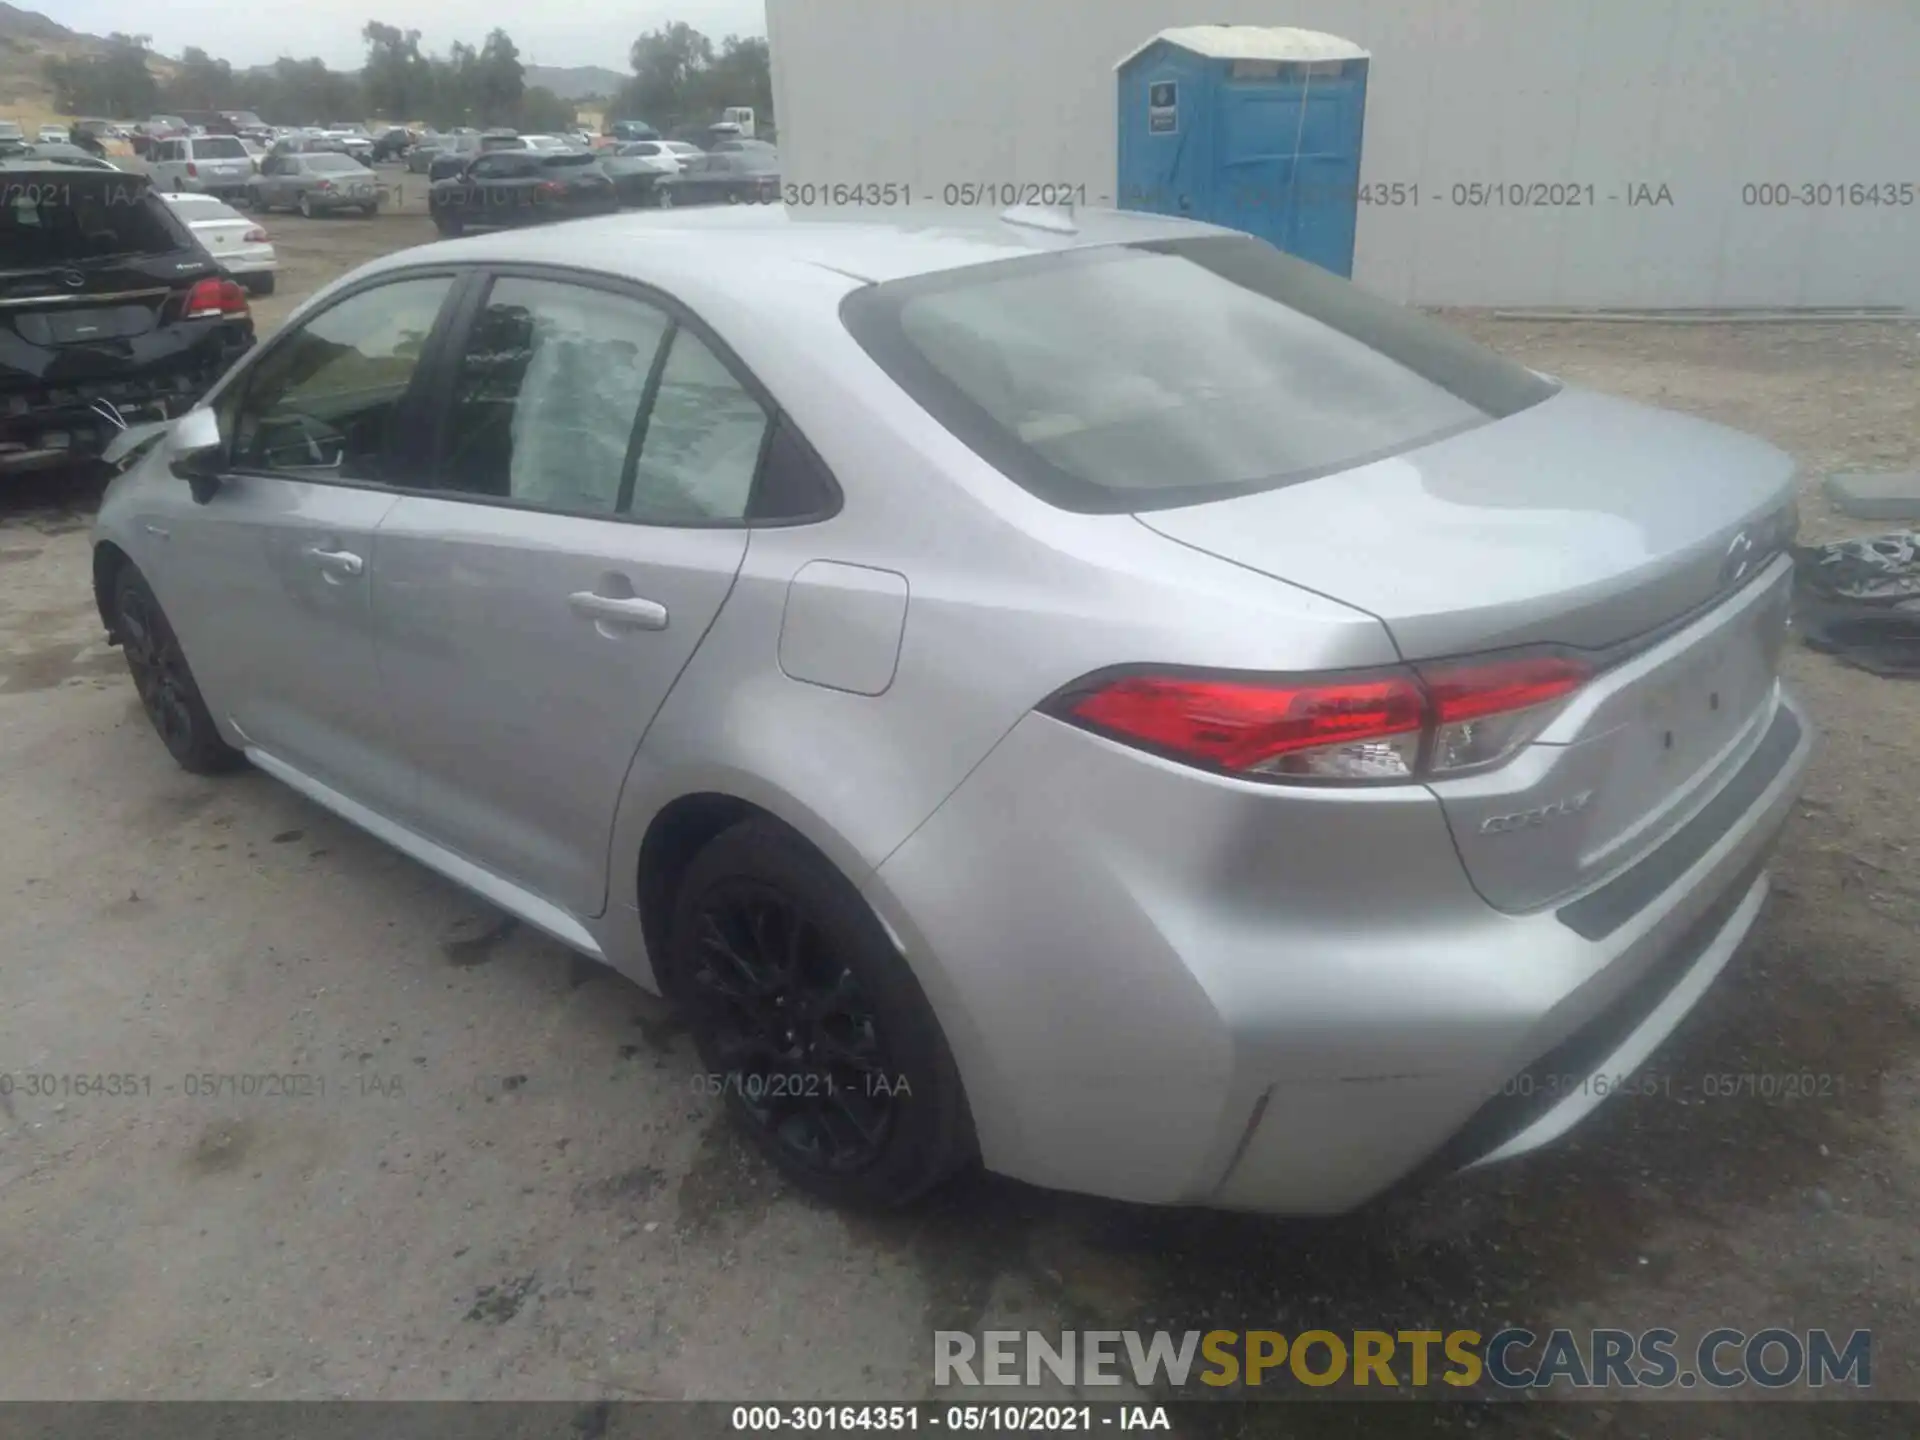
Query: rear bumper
point(1171, 988)
point(56, 426)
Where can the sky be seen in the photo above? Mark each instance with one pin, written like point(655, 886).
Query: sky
point(249, 32)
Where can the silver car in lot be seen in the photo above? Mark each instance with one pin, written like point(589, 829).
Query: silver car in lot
point(314, 182)
point(1091, 694)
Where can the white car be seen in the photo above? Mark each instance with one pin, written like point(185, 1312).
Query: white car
point(237, 241)
point(548, 144)
point(51, 134)
point(669, 156)
point(216, 165)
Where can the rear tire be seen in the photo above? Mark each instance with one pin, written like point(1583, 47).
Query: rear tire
point(260, 284)
point(815, 1031)
point(168, 692)
point(663, 199)
point(367, 212)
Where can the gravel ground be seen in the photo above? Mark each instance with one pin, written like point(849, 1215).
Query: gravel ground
point(510, 1188)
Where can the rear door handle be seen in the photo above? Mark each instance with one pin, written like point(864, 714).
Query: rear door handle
point(631, 613)
point(341, 562)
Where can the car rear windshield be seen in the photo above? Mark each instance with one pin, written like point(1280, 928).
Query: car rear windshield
point(328, 162)
point(568, 160)
point(218, 147)
point(1141, 377)
point(70, 217)
point(191, 208)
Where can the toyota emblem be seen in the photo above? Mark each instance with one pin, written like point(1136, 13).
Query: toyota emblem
point(72, 279)
point(1739, 559)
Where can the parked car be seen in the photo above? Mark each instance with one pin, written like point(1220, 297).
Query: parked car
point(420, 157)
point(629, 130)
point(549, 144)
point(666, 155)
point(303, 142)
point(521, 187)
point(634, 170)
point(459, 149)
point(743, 177)
point(392, 143)
point(66, 154)
point(10, 130)
point(920, 654)
point(217, 165)
point(52, 135)
point(357, 144)
point(237, 241)
point(315, 182)
point(114, 313)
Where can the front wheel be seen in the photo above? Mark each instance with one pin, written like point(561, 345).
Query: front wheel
point(367, 212)
point(166, 686)
point(306, 205)
point(663, 199)
point(261, 284)
point(809, 1023)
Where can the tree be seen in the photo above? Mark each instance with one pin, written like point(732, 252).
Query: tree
point(543, 112)
point(115, 83)
point(664, 62)
point(397, 78)
point(499, 80)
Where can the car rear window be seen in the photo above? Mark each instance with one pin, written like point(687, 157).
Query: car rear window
point(1141, 377)
point(218, 147)
point(328, 162)
point(55, 217)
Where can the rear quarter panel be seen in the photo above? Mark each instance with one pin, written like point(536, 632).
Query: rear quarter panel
point(1008, 599)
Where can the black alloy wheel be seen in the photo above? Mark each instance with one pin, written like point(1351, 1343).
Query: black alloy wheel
point(164, 682)
point(790, 1027)
point(809, 1022)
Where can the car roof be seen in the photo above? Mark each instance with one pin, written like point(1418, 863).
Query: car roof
point(759, 241)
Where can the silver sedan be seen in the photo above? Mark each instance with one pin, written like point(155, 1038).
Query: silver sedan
point(1090, 695)
point(314, 182)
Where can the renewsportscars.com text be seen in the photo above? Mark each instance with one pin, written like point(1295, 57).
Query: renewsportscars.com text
point(1509, 1359)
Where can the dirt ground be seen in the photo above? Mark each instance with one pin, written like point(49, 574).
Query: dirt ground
point(511, 1189)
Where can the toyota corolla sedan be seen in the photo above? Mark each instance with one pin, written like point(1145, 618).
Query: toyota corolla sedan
point(1091, 695)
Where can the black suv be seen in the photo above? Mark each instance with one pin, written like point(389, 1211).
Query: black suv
point(111, 314)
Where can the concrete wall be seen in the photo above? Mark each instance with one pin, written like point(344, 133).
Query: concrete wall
point(1705, 97)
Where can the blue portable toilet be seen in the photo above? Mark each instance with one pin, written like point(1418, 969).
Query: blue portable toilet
point(1256, 128)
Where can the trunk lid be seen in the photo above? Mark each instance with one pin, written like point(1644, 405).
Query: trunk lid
point(1651, 540)
point(1584, 520)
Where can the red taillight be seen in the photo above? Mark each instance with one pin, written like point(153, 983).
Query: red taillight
point(549, 190)
point(1379, 726)
point(255, 236)
point(193, 169)
point(210, 299)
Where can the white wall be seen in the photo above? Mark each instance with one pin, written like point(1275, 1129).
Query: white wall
point(1705, 96)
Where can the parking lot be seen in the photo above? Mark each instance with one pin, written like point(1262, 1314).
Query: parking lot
point(510, 1187)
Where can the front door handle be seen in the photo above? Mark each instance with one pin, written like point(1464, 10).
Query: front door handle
point(630, 613)
point(341, 562)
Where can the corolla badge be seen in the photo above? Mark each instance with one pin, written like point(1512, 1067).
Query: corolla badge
point(1534, 819)
point(72, 279)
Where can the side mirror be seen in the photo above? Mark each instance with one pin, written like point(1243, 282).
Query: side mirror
point(194, 452)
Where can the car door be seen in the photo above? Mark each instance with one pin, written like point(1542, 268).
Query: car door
point(266, 185)
point(166, 168)
point(592, 478)
point(268, 581)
